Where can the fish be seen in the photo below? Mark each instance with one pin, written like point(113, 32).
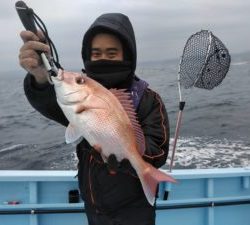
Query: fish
point(107, 120)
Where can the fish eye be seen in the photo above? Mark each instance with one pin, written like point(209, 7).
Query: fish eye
point(80, 80)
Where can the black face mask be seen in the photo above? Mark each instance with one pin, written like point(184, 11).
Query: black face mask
point(110, 73)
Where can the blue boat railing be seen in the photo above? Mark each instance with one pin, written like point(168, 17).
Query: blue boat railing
point(209, 197)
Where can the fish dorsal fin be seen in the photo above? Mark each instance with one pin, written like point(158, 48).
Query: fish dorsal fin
point(126, 101)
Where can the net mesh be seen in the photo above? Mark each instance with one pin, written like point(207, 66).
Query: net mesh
point(205, 61)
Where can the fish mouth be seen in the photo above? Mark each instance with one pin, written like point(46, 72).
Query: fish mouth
point(69, 103)
point(57, 80)
point(65, 100)
point(70, 93)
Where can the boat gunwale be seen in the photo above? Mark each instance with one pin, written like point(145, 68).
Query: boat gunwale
point(70, 175)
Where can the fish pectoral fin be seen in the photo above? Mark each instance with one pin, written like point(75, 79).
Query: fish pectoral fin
point(72, 134)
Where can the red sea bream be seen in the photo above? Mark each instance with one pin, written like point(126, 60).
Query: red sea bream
point(107, 120)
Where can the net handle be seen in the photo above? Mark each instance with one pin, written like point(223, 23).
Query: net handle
point(177, 131)
point(178, 124)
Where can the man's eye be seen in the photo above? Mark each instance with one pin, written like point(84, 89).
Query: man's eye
point(95, 54)
point(112, 54)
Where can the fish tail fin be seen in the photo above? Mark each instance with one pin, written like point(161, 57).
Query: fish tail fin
point(150, 179)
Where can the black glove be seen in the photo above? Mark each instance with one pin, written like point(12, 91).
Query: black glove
point(123, 166)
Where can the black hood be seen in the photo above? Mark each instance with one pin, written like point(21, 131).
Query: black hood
point(117, 24)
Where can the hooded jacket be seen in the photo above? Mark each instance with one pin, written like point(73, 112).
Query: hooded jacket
point(119, 25)
point(101, 191)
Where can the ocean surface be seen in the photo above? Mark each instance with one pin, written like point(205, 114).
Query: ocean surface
point(215, 130)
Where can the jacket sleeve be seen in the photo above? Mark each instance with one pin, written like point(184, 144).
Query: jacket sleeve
point(154, 121)
point(43, 99)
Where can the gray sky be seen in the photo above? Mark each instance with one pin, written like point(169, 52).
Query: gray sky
point(161, 26)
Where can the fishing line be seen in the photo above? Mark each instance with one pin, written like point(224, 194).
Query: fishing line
point(53, 50)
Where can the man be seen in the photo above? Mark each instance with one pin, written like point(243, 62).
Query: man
point(111, 191)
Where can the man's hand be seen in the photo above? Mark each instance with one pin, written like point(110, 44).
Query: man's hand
point(29, 59)
point(114, 166)
point(123, 166)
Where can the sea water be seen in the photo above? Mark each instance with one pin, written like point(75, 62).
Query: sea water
point(215, 129)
